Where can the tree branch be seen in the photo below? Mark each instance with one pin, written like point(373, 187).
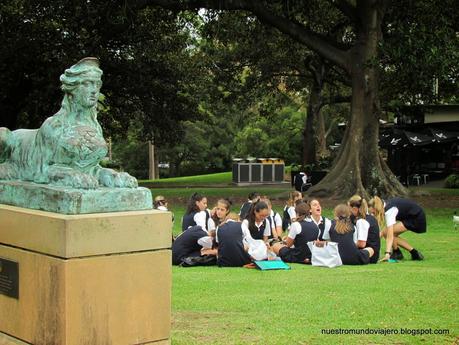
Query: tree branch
point(319, 43)
point(316, 42)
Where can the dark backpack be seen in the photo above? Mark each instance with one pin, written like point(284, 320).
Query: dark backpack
point(204, 260)
point(245, 209)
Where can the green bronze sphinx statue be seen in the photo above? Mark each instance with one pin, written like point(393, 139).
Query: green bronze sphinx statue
point(67, 149)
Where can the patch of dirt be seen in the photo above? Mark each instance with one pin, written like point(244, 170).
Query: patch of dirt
point(425, 199)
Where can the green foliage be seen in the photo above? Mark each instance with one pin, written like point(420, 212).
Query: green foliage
point(204, 146)
point(420, 51)
point(277, 134)
point(148, 72)
point(452, 181)
point(130, 153)
point(207, 87)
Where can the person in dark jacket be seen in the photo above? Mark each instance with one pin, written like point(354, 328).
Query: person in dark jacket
point(232, 252)
point(190, 243)
point(257, 223)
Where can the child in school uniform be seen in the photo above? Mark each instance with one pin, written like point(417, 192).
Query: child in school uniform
point(230, 240)
point(400, 215)
point(197, 213)
point(289, 215)
point(301, 232)
point(160, 203)
point(366, 227)
point(256, 223)
point(342, 232)
point(221, 211)
point(322, 223)
point(191, 242)
point(274, 219)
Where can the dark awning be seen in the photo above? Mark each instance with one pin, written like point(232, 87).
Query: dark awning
point(419, 139)
point(443, 136)
point(401, 138)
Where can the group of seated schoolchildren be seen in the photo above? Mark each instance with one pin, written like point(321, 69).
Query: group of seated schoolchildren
point(229, 236)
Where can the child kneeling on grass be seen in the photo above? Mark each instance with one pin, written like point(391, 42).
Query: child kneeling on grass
point(230, 240)
point(193, 242)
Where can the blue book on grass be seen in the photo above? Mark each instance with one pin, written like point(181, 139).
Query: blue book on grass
point(272, 265)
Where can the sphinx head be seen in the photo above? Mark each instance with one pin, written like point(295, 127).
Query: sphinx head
point(82, 82)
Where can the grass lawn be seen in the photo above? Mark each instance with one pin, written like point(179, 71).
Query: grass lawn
point(218, 178)
point(212, 305)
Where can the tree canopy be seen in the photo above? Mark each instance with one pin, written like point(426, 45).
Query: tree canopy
point(148, 71)
point(349, 35)
point(238, 79)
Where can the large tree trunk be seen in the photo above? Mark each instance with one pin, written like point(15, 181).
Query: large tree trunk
point(317, 69)
point(359, 168)
point(321, 135)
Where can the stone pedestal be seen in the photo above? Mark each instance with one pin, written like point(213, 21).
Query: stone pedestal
point(67, 200)
point(85, 279)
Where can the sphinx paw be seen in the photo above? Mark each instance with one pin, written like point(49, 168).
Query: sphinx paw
point(85, 181)
point(7, 172)
point(73, 179)
point(112, 178)
point(128, 181)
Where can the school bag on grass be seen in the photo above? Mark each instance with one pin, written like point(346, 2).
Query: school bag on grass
point(257, 249)
point(326, 256)
point(203, 260)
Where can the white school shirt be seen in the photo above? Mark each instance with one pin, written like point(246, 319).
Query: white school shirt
point(266, 232)
point(200, 219)
point(205, 242)
point(295, 229)
point(277, 219)
point(361, 230)
point(291, 212)
point(391, 215)
point(326, 233)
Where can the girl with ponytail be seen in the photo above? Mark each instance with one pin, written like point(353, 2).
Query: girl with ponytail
point(400, 215)
point(342, 232)
point(256, 223)
point(197, 213)
point(366, 226)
